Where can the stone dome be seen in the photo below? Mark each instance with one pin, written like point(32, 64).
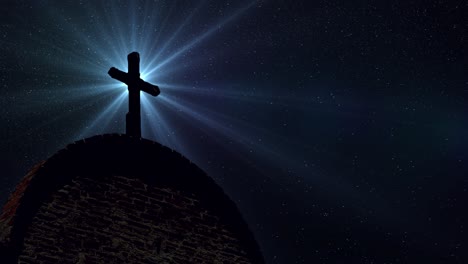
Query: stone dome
point(119, 199)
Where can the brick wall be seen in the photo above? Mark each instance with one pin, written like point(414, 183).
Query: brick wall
point(118, 199)
point(122, 220)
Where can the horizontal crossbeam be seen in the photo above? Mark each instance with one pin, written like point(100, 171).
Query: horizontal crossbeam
point(134, 82)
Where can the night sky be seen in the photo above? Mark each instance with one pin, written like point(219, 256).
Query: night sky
point(339, 128)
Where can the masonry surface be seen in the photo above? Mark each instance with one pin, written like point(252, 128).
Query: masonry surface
point(117, 199)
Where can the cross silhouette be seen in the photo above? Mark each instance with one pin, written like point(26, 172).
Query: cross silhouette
point(135, 85)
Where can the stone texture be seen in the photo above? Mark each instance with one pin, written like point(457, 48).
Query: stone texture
point(116, 199)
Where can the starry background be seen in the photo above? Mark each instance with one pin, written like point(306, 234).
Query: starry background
point(338, 128)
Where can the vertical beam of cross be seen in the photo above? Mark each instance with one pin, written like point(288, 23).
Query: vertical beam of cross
point(135, 85)
point(133, 119)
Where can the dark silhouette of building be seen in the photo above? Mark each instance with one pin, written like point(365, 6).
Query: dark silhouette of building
point(122, 199)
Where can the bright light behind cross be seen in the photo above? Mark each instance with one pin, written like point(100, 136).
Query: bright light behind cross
point(177, 46)
point(167, 54)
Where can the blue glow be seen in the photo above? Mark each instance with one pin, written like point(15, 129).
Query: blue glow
point(101, 121)
point(169, 52)
point(121, 34)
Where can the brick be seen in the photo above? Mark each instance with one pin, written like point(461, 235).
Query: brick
point(125, 218)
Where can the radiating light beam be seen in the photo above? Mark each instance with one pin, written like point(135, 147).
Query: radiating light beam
point(176, 33)
point(104, 117)
point(202, 37)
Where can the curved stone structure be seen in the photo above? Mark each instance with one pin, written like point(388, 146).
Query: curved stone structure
point(119, 199)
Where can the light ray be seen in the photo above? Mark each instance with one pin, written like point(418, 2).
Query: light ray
point(156, 125)
point(169, 42)
point(204, 116)
point(202, 37)
point(104, 117)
